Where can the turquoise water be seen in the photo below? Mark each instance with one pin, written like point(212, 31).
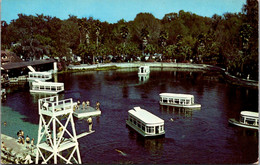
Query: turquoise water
point(15, 122)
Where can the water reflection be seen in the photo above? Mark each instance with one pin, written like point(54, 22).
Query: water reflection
point(178, 111)
point(36, 96)
point(143, 78)
point(151, 144)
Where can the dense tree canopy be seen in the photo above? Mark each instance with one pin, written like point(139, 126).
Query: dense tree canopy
point(229, 41)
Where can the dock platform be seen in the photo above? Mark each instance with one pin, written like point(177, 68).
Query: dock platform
point(87, 112)
point(16, 152)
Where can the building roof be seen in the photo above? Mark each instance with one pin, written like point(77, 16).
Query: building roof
point(14, 65)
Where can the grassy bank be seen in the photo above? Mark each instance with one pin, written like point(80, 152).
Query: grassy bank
point(89, 69)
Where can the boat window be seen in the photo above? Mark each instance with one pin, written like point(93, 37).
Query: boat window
point(182, 101)
point(161, 128)
point(176, 101)
point(134, 122)
point(143, 127)
point(165, 100)
point(139, 124)
point(250, 121)
point(187, 101)
point(242, 119)
point(41, 87)
point(150, 129)
point(170, 100)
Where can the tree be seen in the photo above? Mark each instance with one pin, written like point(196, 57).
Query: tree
point(163, 38)
point(124, 33)
point(97, 28)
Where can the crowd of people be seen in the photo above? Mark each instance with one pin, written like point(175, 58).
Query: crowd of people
point(29, 142)
point(87, 104)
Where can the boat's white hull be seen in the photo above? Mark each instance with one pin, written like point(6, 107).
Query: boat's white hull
point(141, 131)
point(38, 79)
point(45, 91)
point(233, 121)
point(181, 105)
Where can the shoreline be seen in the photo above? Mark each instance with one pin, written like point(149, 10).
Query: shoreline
point(113, 66)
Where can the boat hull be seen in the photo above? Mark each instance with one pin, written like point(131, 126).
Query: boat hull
point(183, 106)
point(141, 132)
point(234, 122)
point(45, 91)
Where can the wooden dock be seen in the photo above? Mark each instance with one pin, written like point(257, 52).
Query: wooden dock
point(87, 112)
point(16, 152)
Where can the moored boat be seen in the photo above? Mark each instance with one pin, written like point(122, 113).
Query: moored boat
point(178, 100)
point(247, 119)
point(145, 123)
point(47, 87)
point(39, 76)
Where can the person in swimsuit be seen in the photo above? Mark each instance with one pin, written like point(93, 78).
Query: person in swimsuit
point(27, 140)
point(89, 124)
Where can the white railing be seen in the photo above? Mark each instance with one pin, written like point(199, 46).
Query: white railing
point(52, 104)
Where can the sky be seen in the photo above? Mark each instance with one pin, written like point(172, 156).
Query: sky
point(112, 11)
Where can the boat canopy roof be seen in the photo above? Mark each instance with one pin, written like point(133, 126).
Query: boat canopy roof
point(176, 95)
point(249, 113)
point(47, 83)
point(145, 116)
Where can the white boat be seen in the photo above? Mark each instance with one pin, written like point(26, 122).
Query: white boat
point(145, 123)
point(143, 70)
point(248, 119)
point(47, 87)
point(39, 76)
point(178, 100)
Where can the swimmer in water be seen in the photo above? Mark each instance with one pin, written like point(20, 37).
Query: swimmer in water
point(121, 152)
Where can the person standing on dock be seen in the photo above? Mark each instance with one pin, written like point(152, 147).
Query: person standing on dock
point(89, 124)
point(3, 146)
point(78, 103)
point(27, 140)
point(98, 105)
point(32, 144)
point(88, 103)
point(83, 105)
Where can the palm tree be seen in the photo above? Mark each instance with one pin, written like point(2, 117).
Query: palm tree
point(144, 36)
point(163, 38)
point(124, 33)
point(98, 27)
